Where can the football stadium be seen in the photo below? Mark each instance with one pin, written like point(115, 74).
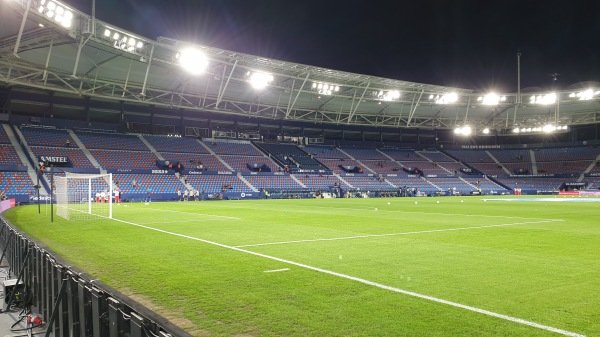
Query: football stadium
point(158, 187)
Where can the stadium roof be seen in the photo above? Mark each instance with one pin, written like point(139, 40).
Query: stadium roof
point(87, 57)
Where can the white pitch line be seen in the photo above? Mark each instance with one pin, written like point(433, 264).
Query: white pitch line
point(371, 283)
point(276, 270)
point(395, 234)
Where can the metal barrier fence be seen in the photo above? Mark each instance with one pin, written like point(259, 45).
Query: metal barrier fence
point(69, 302)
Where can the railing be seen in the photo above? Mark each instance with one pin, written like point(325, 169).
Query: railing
point(70, 302)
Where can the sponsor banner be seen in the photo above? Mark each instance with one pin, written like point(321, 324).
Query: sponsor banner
point(478, 147)
point(264, 174)
point(7, 204)
point(42, 198)
point(55, 160)
point(568, 193)
point(590, 193)
point(576, 184)
point(204, 172)
point(140, 171)
point(241, 195)
point(160, 171)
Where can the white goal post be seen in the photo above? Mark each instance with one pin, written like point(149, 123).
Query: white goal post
point(84, 196)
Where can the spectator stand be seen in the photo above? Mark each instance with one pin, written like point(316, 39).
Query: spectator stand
point(290, 156)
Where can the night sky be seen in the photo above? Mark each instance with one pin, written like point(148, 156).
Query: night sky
point(468, 44)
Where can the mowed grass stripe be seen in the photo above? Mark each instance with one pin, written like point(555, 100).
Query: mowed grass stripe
point(371, 283)
point(381, 207)
point(395, 234)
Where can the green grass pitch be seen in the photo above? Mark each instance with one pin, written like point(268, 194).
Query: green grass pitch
point(453, 266)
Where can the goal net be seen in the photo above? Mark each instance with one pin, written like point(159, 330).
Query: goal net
point(84, 196)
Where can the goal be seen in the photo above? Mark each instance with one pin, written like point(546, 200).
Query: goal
point(84, 196)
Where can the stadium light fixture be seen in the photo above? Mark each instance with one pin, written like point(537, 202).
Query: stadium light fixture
point(486, 131)
point(122, 40)
point(193, 60)
point(491, 99)
point(463, 130)
point(585, 95)
point(57, 12)
point(259, 80)
point(543, 99)
point(448, 98)
point(549, 128)
point(325, 88)
point(389, 95)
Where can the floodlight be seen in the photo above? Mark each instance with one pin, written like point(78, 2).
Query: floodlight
point(585, 95)
point(548, 128)
point(543, 99)
point(139, 45)
point(131, 41)
point(107, 33)
point(57, 12)
point(388, 95)
point(325, 88)
point(193, 60)
point(516, 130)
point(486, 131)
point(259, 80)
point(490, 99)
point(448, 98)
point(116, 36)
point(464, 131)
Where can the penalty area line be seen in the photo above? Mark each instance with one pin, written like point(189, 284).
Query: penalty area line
point(367, 282)
point(396, 234)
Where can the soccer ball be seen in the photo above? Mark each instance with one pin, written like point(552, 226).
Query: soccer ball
point(388, 203)
point(437, 202)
